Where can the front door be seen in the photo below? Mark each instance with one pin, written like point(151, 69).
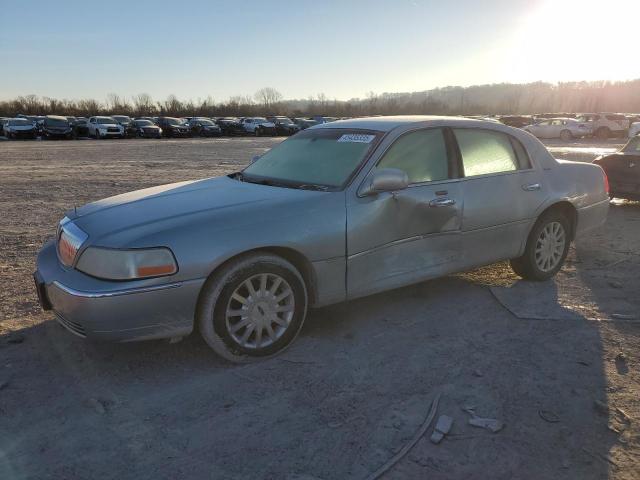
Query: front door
point(398, 238)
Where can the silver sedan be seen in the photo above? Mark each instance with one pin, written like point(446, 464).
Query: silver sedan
point(562, 128)
point(336, 212)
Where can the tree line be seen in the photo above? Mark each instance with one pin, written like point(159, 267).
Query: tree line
point(494, 99)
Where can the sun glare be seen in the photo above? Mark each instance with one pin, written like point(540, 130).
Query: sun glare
point(577, 40)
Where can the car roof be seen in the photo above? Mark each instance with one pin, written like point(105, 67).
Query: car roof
point(386, 124)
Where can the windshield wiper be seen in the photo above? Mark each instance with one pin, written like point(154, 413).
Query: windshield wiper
point(312, 186)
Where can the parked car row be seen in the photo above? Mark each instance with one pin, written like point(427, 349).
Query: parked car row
point(123, 126)
point(567, 126)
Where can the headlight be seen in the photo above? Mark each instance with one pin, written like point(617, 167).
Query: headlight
point(114, 264)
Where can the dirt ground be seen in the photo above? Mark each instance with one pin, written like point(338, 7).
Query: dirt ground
point(557, 362)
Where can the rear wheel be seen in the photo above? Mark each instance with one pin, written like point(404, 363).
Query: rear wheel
point(253, 308)
point(546, 249)
point(565, 135)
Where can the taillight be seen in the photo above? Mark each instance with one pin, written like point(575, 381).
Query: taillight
point(606, 181)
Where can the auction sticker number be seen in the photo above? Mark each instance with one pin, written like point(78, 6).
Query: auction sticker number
point(356, 138)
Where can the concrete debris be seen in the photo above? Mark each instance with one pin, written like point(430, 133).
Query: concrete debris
point(490, 424)
point(443, 426)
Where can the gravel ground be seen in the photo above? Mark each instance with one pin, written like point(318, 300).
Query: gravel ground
point(557, 362)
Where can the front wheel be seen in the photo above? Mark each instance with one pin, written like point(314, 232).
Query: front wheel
point(547, 248)
point(253, 308)
point(565, 135)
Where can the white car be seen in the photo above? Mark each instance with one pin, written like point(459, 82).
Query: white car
point(605, 125)
point(258, 126)
point(634, 129)
point(104, 127)
point(562, 128)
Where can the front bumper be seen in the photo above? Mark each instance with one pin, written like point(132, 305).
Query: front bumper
point(115, 311)
point(106, 134)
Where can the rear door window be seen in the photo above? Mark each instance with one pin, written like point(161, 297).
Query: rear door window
point(485, 152)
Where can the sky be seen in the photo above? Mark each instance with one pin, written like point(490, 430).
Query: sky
point(197, 48)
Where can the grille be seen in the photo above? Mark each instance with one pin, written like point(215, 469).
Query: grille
point(73, 327)
point(113, 130)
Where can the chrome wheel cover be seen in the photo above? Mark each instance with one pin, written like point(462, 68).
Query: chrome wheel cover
point(550, 246)
point(260, 311)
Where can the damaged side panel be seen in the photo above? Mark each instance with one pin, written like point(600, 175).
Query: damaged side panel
point(394, 239)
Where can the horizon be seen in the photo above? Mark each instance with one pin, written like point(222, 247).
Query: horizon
point(377, 46)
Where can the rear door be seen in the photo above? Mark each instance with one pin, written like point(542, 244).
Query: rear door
point(502, 191)
point(398, 238)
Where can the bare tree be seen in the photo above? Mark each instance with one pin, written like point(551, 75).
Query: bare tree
point(143, 105)
point(268, 97)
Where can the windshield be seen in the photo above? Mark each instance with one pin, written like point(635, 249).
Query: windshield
point(260, 120)
point(143, 123)
point(122, 118)
point(322, 157)
point(633, 146)
point(205, 122)
point(285, 121)
point(19, 122)
point(56, 122)
point(173, 121)
point(105, 120)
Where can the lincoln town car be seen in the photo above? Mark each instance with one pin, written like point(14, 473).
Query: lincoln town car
point(338, 211)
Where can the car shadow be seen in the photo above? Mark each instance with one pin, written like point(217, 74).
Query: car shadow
point(353, 388)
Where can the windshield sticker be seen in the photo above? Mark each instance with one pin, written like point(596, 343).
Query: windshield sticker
point(356, 138)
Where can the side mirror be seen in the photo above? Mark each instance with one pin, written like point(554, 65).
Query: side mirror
point(385, 180)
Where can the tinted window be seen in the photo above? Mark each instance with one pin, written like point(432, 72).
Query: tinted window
point(485, 152)
point(422, 155)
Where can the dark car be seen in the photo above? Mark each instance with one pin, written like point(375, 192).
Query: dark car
point(126, 122)
point(305, 123)
point(54, 126)
point(20, 128)
point(230, 126)
point(623, 170)
point(204, 127)
point(80, 127)
point(2, 121)
point(145, 128)
point(284, 125)
point(173, 127)
point(517, 121)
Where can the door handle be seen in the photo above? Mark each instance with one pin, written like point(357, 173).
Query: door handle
point(442, 202)
point(531, 187)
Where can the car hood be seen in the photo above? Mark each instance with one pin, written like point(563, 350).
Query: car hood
point(166, 206)
point(20, 127)
point(108, 125)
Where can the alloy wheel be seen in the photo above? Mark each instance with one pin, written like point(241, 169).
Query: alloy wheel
point(550, 246)
point(260, 311)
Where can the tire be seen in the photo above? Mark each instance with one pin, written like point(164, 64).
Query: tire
point(603, 133)
point(257, 131)
point(220, 295)
point(565, 135)
point(530, 265)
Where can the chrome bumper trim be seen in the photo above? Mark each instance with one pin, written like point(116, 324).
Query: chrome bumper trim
point(114, 293)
